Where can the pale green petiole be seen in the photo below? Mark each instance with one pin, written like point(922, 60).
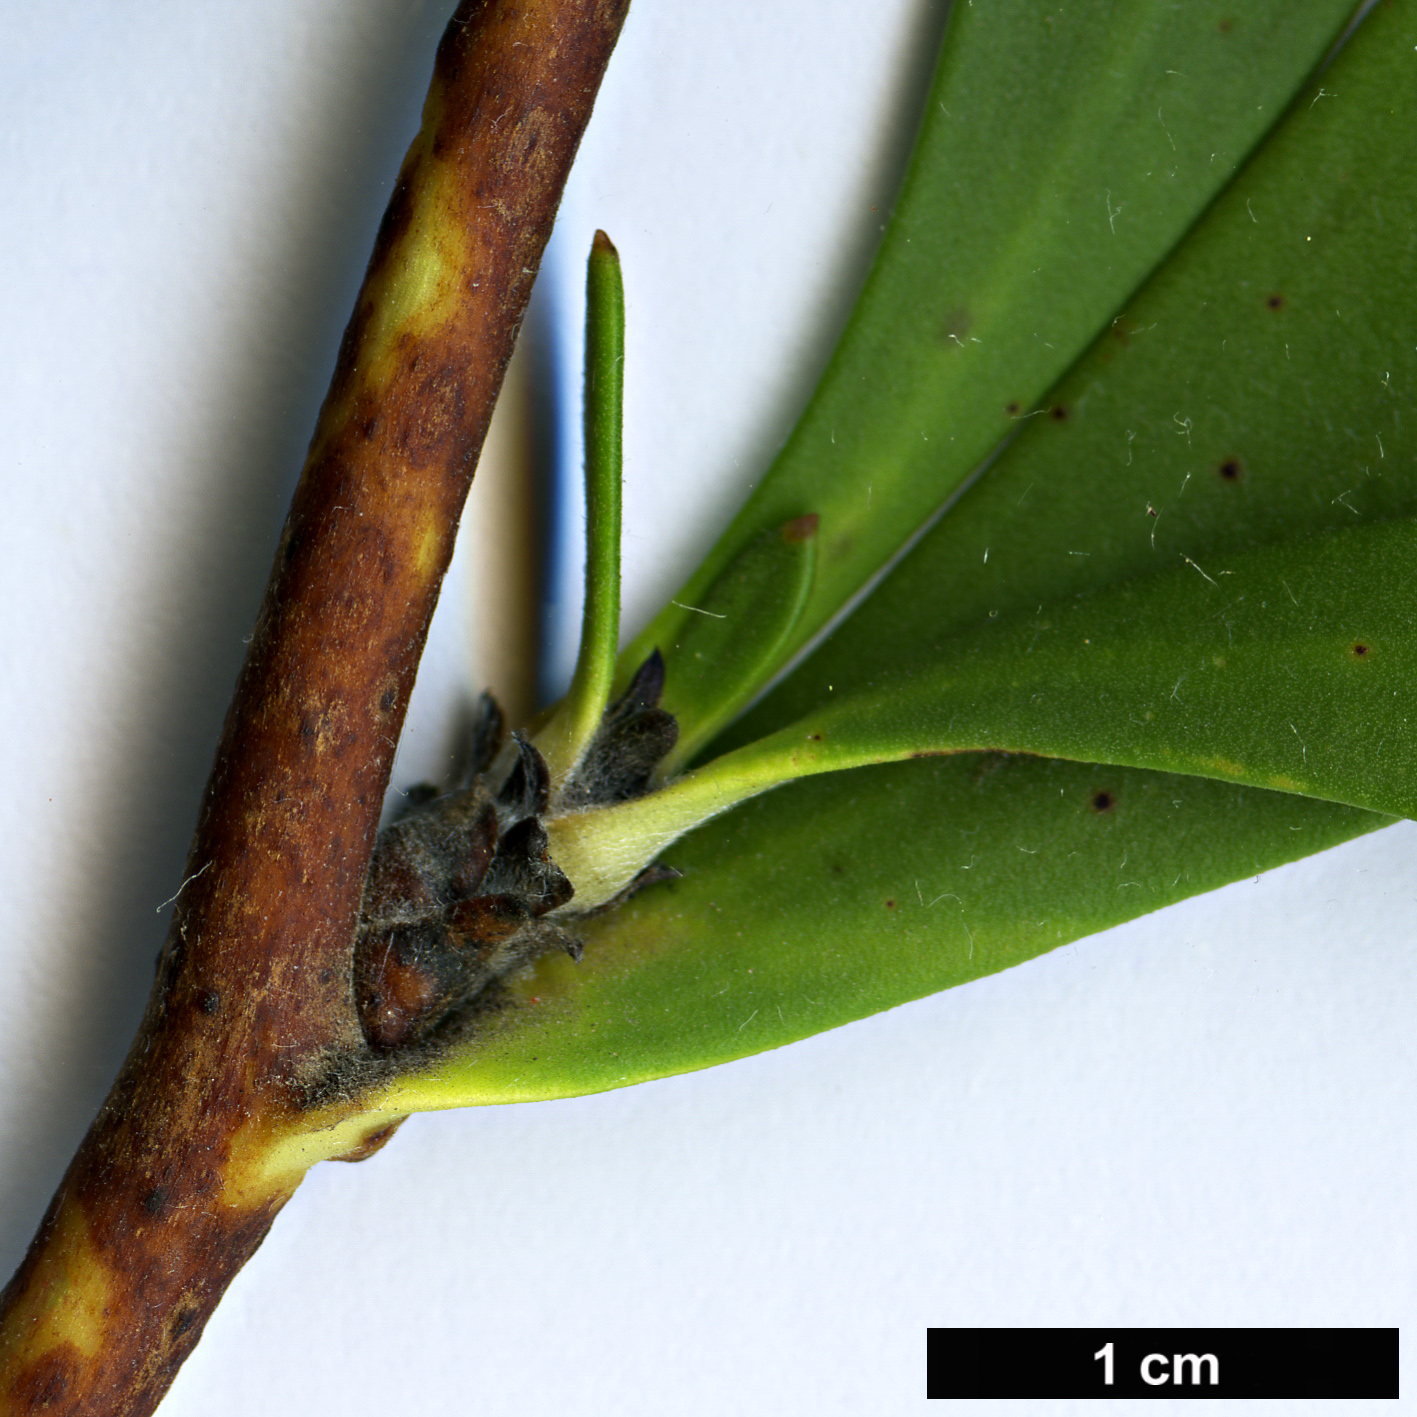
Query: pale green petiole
point(602, 850)
point(565, 738)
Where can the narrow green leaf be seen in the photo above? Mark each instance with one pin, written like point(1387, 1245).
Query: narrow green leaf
point(566, 737)
point(1062, 153)
point(837, 897)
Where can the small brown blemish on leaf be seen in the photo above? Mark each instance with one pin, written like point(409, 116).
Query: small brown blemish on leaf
point(1103, 801)
point(890, 905)
point(1058, 413)
point(209, 1001)
point(1226, 26)
point(956, 325)
point(1123, 328)
point(815, 737)
point(1275, 301)
point(801, 528)
point(1359, 650)
point(1231, 470)
point(1013, 409)
point(154, 1201)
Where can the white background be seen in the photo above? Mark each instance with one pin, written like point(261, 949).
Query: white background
point(1205, 1117)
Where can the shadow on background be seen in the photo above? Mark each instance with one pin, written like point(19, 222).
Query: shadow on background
point(335, 186)
point(857, 242)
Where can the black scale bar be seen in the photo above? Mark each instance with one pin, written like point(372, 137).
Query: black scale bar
point(1161, 1362)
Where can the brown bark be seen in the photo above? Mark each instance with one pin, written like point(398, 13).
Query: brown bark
point(211, 1124)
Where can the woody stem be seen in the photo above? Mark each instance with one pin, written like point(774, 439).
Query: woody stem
point(207, 1130)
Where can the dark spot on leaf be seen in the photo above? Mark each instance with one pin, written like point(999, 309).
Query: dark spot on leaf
point(154, 1201)
point(1123, 328)
point(838, 870)
point(1226, 26)
point(1231, 470)
point(209, 1001)
point(801, 528)
point(1012, 409)
point(956, 326)
point(816, 737)
point(1359, 650)
point(1103, 801)
point(1275, 301)
point(1058, 413)
point(890, 905)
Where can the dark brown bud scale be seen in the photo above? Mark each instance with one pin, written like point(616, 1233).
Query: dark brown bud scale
point(459, 885)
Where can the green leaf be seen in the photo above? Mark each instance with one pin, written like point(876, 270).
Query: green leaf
point(1295, 674)
point(565, 738)
point(1255, 390)
point(1062, 153)
point(836, 897)
point(729, 645)
point(783, 914)
point(1291, 667)
point(1220, 320)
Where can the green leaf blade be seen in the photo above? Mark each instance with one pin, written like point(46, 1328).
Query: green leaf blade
point(1292, 667)
point(785, 899)
point(837, 897)
point(566, 737)
point(1040, 195)
point(1210, 419)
